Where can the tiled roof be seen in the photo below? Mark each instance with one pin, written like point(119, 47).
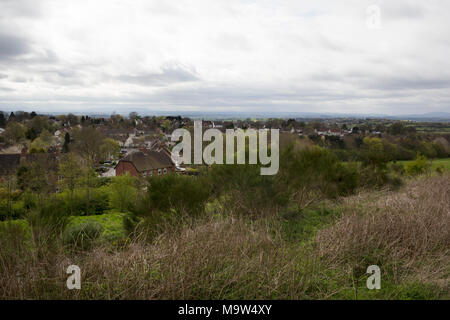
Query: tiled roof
point(149, 160)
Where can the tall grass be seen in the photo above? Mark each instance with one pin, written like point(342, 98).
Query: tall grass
point(407, 234)
point(236, 257)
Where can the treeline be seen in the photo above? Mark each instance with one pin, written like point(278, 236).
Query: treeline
point(394, 148)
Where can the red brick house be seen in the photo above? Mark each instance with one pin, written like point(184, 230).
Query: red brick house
point(145, 164)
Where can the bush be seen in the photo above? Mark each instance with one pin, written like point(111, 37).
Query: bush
point(398, 168)
point(123, 193)
point(50, 220)
point(169, 200)
point(184, 194)
point(244, 190)
point(76, 203)
point(418, 166)
point(82, 236)
point(314, 174)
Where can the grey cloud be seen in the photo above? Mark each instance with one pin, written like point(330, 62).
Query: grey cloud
point(167, 76)
point(11, 46)
point(6, 89)
point(63, 76)
point(411, 83)
point(20, 79)
point(376, 81)
point(20, 8)
point(404, 10)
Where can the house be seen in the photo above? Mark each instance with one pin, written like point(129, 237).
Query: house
point(145, 164)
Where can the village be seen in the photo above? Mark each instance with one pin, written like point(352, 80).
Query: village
point(139, 146)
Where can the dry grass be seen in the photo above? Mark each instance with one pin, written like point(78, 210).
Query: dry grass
point(406, 233)
point(226, 259)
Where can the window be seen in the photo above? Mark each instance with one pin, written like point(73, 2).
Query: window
point(165, 170)
point(151, 173)
point(144, 174)
point(159, 171)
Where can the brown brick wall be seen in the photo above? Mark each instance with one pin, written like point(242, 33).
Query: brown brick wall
point(125, 166)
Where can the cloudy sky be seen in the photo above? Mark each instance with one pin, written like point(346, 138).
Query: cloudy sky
point(230, 55)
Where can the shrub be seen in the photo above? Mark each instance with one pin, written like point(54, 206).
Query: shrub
point(123, 193)
point(418, 166)
point(398, 168)
point(243, 189)
point(50, 219)
point(83, 235)
point(184, 194)
point(77, 202)
point(314, 174)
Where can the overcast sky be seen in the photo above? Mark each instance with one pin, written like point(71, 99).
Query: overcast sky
point(231, 55)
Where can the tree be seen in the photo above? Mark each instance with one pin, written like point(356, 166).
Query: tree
point(31, 134)
point(14, 132)
point(397, 128)
point(88, 141)
point(2, 119)
point(70, 172)
point(133, 116)
point(66, 142)
point(109, 148)
point(124, 192)
point(372, 153)
point(38, 124)
point(38, 175)
point(12, 117)
point(374, 161)
point(46, 136)
point(39, 143)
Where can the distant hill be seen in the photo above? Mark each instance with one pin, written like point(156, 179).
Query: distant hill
point(220, 115)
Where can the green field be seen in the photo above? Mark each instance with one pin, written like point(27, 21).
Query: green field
point(112, 224)
point(445, 163)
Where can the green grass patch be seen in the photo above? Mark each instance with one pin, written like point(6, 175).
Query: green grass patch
point(111, 222)
point(444, 163)
point(302, 226)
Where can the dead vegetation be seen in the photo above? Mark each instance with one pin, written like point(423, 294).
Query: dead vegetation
point(406, 233)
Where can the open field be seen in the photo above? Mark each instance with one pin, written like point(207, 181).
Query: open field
point(444, 163)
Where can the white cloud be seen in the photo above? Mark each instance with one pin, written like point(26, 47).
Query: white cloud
point(216, 55)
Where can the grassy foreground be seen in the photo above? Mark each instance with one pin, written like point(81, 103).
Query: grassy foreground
point(320, 253)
